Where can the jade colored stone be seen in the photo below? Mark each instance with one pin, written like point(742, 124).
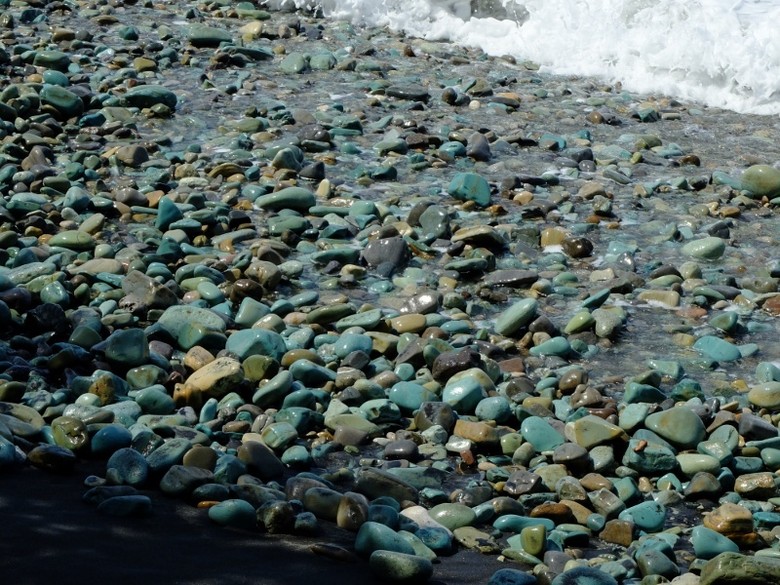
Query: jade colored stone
point(373, 536)
point(707, 544)
point(296, 198)
point(556, 346)
point(761, 180)
point(679, 425)
point(73, 240)
point(539, 433)
point(453, 516)
point(400, 567)
point(470, 187)
point(466, 389)
point(147, 96)
point(249, 342)
point(234, 513)
point(647, 516)
point(516, 317)
point(710, 248)
point(717, 349)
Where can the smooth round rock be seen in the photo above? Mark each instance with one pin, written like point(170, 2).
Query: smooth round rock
point(710, 248)
point(234, 513)
point(136, 506)
point(373, 536)
point(707, 544)
point(512, 577)
point(679, 425)
point(127, 466)
point(399, 567)
point(761, 180)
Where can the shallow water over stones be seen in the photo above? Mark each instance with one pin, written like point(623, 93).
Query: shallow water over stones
point(364, 271)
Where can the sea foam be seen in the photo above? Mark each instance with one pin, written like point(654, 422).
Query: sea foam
point(723, 53)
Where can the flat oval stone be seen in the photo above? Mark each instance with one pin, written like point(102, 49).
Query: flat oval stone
point(127, 466)
point(296, 198)
point(710, 248)
point(517, 316)
point(765, 395)
point(679, 425)
point(181, 480)
point(717, 349)
point(47, 457)
point(453, 516)
point(73, 240)
point(136, 506)
point(464, 390)
point(147, 96)
point(234, 513)
point(512, 577)
point(761, 180)
point(373, 536)
point(400, 567)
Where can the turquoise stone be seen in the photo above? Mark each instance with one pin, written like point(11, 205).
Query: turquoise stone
point(495, 408)
point(373, 536)
point(717, 349)
point(67, 103)
point(249, 342)
point(133, 506)
point(146, 96)
point(647, 516)
point(127, 466)
point(279, 435)
point(516, 317)
point(400, 567)
point(155, 400)
point(167, 213)
point(296, 198)
point(127, 348)
point(556, 346)
point(110, 438)
point(409, 396)
point(516, 523)
point(512, 577)
point(465, 389)
point(679, 425)
point(311, 374)
point(470, 187)
point(168, 454)
point(652, 458)
point(234, 513)
point(453, 516)
point(73, 240)
point(541, 434)
point(707, 544)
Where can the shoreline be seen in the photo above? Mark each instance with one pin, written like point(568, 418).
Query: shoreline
point(310, 231)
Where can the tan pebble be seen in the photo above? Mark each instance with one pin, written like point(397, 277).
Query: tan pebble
point(411, 323)
point(197, 357)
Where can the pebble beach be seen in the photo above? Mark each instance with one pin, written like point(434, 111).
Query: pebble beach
point(352, 305)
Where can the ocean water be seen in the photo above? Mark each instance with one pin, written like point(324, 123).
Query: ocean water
point(723, 53)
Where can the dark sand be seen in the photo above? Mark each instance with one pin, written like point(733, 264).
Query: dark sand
point(50, 536)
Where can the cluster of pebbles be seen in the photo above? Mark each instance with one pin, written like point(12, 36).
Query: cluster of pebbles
point(294, 272)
